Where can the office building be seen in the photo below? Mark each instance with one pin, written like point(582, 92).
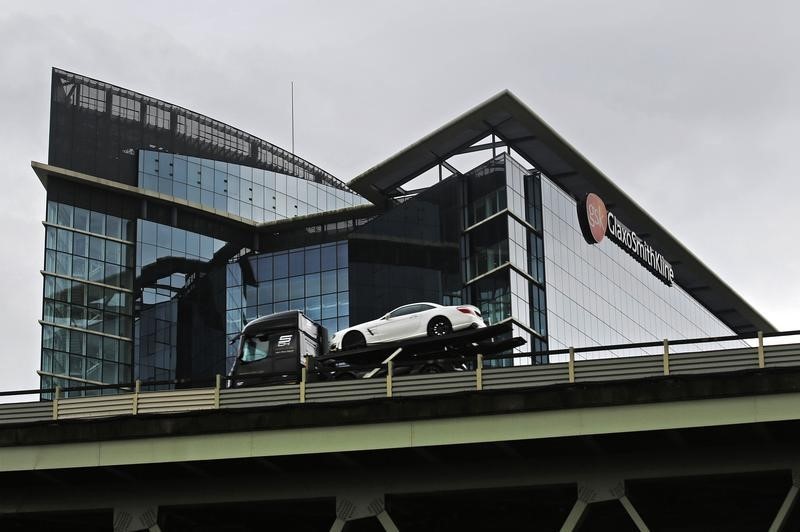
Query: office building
point(167, 230)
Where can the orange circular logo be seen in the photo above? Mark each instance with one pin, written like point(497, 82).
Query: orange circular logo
point(597, 216)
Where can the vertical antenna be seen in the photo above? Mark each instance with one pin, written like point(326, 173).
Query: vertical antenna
point(292, 116)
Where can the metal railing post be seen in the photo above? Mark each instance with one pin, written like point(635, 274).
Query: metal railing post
point(666, 357)
point(571, 364)
point(303, 375)
point(479, 372)
point(56, 397)
point(135, 401)
point(217, 385)
point(761, 359)
point(389, 374)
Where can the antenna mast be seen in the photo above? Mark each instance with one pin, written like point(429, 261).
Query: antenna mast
point(292, 116)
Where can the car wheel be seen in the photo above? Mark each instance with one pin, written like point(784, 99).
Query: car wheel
point(439, 326)
point(353, 340)
point(430, 369)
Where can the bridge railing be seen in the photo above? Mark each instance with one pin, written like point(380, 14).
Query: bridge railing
point(131, 400)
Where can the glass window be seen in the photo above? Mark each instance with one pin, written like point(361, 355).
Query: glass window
point(312, 260)
point(313, 308)
point(50, 238)
point(281, 265)
point(265, 292)
point(406, 310)
point(341, 252)
point(97, 271)
point(81, 219)
point(80, 267)
point(97, 248)
point(80, 245)
point(296, 287)
point(328, 255)
point(64, 215)
point(110, 348)
point(329, 306)
point(296, 263)
point(50, 260)
point(342, 276)
point(313, 284)
point(64, 242)
point(113, 226)
point(97, 223)
point(52, 212)
point(281, 290)
point(329, 282)
point(254, 349)
point(113, 252)
point(63, 264)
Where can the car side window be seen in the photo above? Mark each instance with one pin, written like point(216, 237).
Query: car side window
point(423, 307)
point(403, 311)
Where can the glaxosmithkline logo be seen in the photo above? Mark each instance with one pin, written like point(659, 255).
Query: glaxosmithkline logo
point(597, 221)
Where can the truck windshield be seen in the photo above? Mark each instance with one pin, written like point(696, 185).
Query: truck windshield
point(255, 349)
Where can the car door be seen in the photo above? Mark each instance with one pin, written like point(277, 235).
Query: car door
point(396, 325)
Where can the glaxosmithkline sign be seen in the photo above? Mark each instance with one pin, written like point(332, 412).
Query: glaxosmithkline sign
point(597, 222)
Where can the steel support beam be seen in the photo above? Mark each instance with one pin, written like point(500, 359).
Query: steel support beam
point(637, 519)
point(386, 522)
point(787, 505)
point(575, 516)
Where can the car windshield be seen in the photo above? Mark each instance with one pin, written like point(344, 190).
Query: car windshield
point(254, 349)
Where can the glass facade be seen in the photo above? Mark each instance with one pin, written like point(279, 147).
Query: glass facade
point(88, 289)
point(313, 279)
point(98, 128)
point(141, 289)
point(252, 193)
point(600, 295)
point(505, 273)
point(172, 336)
point(468, 239)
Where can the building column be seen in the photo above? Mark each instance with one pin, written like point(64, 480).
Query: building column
point(131, 518)
point(359, 506)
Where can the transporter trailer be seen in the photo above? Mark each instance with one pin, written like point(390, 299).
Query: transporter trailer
point(275, 349)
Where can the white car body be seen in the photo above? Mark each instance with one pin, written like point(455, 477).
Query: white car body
point(411, 321)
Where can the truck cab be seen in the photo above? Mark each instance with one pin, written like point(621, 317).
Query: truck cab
point(273, 349)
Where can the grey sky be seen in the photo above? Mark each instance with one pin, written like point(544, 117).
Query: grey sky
point(691, 107)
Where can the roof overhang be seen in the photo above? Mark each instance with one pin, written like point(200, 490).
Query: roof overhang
point(520, 128)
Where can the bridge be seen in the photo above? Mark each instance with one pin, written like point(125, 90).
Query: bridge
point(680, 438)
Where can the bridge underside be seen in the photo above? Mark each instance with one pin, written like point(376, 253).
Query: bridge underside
point(691, 453)
point(737, 477)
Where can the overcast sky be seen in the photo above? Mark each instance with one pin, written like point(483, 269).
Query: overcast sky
point(690, 107)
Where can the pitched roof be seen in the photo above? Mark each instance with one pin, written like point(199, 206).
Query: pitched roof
point(519, 127)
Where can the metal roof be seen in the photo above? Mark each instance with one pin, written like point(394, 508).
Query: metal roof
point(512, 121)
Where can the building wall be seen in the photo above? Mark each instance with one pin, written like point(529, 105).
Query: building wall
point(599, 295)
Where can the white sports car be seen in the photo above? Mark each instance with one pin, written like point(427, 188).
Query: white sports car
point(409, 321)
